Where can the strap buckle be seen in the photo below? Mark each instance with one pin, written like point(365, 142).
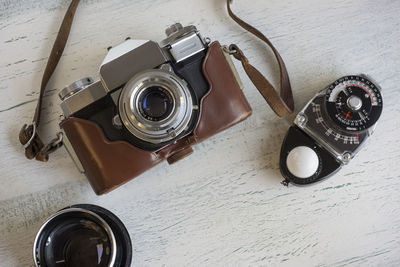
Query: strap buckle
point(57, 142)
point(27, 144)
point(235, 51)
point(43, 154)
point(229, 50)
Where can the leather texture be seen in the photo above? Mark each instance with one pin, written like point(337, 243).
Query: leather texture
point(107, 164)
point(110, 164)
point(34, 147)
point(228, 103)
point(282, 104)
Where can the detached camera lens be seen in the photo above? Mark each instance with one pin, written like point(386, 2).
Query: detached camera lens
point(83, 235)
point(156, 103)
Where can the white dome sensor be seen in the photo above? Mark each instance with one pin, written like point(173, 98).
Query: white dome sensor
point(302, 162)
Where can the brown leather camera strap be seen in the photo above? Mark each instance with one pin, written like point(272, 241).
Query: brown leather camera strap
point(35, 148)
point(282, 104)
point(28, 136)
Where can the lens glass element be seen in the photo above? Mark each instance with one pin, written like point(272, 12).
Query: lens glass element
point(156, 103)
point(76, 241)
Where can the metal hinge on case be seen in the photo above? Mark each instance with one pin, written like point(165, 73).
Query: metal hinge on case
point(228, 58)
point(71, 152)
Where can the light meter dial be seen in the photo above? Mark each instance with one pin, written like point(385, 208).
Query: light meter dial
point(354, 103)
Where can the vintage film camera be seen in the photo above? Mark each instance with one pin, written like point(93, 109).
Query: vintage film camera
point(152, 102)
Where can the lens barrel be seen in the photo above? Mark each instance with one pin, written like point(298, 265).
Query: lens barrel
point(156, 106)
point(83, 235)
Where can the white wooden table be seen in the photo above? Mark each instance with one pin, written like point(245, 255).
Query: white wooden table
point(224, 205)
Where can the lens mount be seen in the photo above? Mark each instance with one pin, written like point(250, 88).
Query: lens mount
point(156, 106)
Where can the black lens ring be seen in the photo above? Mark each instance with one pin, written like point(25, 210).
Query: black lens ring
point(123, 242)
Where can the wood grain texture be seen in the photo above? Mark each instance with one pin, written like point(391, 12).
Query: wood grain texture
point(224, 205)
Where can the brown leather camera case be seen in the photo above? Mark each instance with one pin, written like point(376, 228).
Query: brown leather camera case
point(108, 164)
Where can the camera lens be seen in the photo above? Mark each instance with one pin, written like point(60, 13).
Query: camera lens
point(83, 235)
point(156, 106)
point(156, 103)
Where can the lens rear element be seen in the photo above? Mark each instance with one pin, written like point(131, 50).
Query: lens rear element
point(77, 242)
